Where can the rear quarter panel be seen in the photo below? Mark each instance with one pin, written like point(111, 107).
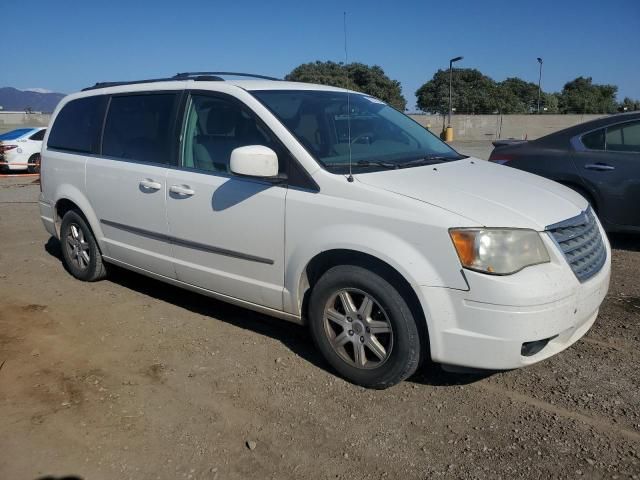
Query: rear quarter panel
point(552, 163)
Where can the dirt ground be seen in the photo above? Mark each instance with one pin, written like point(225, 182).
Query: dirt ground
point(131, 379)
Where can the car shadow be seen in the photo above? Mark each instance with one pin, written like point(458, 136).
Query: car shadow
point(625, 241)
point(432, 374)
point(65, 477)
point(295, 337)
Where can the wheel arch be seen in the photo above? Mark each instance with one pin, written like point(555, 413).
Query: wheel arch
point(70, 198)
point(323, 261)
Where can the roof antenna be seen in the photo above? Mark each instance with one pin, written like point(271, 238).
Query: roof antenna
point(346, 62)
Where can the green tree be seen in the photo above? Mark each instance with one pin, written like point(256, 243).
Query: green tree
point(629, 105)
point(550, 101)
point(472, 92)
point(518, 96)
point(581, 95)
point(356, 76)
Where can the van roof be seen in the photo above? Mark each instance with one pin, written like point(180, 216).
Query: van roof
point(256, 82)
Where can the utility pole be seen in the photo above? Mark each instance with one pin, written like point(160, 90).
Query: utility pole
point(539, 83)
point(451, 62)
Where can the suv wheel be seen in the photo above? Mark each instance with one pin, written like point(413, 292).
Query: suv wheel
point(80, 251)
point(364, 327)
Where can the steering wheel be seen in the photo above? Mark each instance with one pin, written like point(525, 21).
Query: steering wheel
point(368, 135)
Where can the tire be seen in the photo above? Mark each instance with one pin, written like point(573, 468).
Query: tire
point(350, 338)
point(80, 251)
point(35, 158)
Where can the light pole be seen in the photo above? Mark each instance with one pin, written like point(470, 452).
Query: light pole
point(451, 62)
point(539, 82)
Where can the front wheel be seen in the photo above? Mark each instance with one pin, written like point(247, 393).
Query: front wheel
point(363, 327)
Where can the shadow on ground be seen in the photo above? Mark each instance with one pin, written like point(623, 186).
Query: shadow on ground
point(625, 241)
point(66, 477)
point(295, 337)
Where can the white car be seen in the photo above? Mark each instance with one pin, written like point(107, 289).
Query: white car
point(327, 207)
point(20, 149)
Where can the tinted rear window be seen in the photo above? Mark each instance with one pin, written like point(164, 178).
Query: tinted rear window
point(14, 134)
point(39, 136)
point(77, 126)
point(594, 140)
point(139, 127)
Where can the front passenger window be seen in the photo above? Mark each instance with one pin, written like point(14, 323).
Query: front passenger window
point(214, 127)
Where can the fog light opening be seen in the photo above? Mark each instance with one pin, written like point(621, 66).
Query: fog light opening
point(531, 348)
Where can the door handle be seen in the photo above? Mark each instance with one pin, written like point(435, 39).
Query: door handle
point(599, 166)
point(149, 184)
point(184, 190)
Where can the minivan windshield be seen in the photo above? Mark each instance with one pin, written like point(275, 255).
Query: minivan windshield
point(334, 126)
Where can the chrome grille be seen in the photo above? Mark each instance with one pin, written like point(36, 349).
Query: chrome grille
point(581, 243)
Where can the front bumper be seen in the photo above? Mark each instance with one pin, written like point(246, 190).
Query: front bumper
point(487, 326)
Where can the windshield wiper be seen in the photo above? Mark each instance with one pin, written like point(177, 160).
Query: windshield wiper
point(362, 163)
point(378, 163)
point(429, 160)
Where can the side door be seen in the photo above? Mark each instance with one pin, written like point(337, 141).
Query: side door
point(227, 231)
point(126, 183)
point(608, 161)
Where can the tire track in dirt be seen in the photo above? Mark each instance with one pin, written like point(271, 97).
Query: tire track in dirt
point(603, 343)
point(597, 423)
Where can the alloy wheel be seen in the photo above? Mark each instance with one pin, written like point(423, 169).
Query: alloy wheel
point(78, 247)
point(358, 328)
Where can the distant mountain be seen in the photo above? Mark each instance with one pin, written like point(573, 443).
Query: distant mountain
point(38, 99)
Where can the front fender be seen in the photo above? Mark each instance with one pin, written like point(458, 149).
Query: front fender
point(406, 258)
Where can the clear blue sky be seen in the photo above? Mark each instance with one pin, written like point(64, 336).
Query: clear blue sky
point(66, 45)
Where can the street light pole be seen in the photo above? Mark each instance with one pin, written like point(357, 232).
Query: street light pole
point(451, 62)
point(539, 82)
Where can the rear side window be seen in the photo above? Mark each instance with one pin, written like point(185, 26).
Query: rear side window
point(624, 138)
point(140, 127)
point(77, 126)
point(594, 140)
point(39, 136)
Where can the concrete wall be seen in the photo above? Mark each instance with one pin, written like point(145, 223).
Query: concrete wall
point(465, 127)
point(491, 127)
point(12, 120)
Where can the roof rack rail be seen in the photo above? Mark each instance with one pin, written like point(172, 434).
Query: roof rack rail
point(195, 75)
point(198, 76)
point(130, 82)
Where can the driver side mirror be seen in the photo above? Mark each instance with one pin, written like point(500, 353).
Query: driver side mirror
point(254, 161)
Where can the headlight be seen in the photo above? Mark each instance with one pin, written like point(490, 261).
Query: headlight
point(498, 251)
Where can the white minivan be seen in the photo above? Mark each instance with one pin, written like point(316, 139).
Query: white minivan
point(326, 207)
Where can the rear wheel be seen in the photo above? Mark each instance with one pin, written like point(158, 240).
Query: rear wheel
point(80, 250)
point(363, 327)
point(34, 163)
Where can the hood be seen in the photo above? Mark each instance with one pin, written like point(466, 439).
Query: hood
point(488, 194)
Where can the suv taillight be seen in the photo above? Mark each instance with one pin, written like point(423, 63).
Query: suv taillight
point(6, 148)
